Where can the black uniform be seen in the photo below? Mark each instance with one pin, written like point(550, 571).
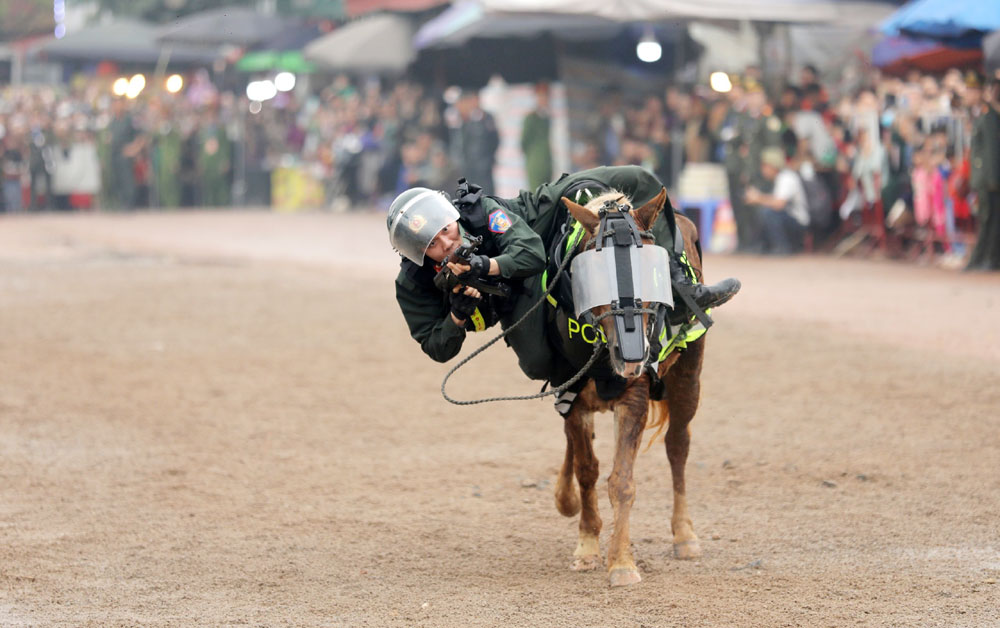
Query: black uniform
point(519, 254)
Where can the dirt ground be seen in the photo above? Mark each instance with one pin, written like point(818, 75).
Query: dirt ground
point(219, 420)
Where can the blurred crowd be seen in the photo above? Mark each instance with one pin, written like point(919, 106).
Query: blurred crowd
point(80, 148)
point(803, 166)
point(806, 167)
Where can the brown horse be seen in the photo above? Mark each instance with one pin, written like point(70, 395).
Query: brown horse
point(680, 373)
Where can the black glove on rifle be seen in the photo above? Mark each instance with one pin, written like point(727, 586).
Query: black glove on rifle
point(463, 305)
point(479, 267)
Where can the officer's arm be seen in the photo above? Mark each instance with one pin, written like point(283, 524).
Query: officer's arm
point(427, 315)
point(522, 252)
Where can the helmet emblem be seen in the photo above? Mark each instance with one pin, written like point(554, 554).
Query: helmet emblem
point(417, 223)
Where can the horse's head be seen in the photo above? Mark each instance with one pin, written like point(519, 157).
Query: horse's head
point(621, 279)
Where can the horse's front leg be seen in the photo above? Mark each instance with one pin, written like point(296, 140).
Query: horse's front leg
point(683, 391)
point(580, 454)
point(630, 420)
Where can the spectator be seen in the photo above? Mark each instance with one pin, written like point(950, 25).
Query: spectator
point(215, 161)
point(124, 146)
point(475, 141)
point(14, 169)
point(76, 173)
point(535, 140)
point(985, 180)
point(783, 212)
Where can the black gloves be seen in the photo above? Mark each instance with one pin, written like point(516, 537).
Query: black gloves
point(463, 305)
point(479, 267)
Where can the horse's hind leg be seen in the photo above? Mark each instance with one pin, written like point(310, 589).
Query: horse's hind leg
point(580, 459)
point(630, 418)
point(683, 391)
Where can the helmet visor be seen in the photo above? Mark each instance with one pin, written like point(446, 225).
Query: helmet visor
point(417, 223)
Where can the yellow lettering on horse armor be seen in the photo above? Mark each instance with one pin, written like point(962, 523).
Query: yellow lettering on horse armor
point(573, 326)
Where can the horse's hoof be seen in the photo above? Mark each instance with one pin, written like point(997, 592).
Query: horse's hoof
point(624, 576)
point(586, 563)
point(687, 550)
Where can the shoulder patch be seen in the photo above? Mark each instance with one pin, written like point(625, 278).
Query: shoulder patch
point(499, 222)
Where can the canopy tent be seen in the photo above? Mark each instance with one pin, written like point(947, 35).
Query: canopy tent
point(792, 11)
point(293, 36)
point(357, 8)
point(235, 26)
point(382, 43)
point(472, 64)
point(991, 51)
point(944, 19)
point(896, 55)
point(468, 19)
point(123, 40)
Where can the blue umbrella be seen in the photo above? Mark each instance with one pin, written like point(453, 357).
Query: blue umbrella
point(944, 19)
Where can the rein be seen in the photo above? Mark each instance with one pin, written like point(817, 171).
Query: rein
point(598, 344)
point(553, 391)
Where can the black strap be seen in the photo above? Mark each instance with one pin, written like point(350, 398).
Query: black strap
point(687, 295)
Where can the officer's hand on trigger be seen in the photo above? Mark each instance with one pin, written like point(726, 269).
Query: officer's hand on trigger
point(463, 303)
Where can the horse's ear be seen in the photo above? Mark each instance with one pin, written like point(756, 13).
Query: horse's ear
point(648, 213)
point(583, 215)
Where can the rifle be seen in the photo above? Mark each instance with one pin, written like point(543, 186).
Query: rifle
point(445, 280)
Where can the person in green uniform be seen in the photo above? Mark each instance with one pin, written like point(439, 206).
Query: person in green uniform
point(425, 228)
point(167, 145)
point(215, 161)
point(984, 178)
point(124, 138)
point(535, 140)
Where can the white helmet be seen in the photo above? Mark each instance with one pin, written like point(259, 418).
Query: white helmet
point(415, 218)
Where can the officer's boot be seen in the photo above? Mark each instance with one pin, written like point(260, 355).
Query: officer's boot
point(704, 297)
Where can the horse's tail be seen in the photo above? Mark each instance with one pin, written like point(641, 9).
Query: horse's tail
point(659, 420)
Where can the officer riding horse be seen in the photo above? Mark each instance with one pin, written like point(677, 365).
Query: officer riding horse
point(621, 289)
point(633, 337)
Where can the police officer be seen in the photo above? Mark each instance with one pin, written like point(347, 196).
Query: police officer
point(425, 228)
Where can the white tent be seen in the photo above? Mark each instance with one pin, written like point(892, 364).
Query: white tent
point(379, 43)
point(795, 11)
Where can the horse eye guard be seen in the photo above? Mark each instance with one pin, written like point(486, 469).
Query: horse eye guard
point(596, 275)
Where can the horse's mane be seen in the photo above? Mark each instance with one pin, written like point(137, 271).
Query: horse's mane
point(611, 195)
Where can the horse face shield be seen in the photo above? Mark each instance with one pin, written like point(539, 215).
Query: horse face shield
point(623, 273)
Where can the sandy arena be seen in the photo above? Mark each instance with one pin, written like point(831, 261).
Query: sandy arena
point(218, 419)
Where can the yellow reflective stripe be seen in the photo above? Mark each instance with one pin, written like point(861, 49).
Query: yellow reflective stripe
point(478, 320)
point(545, 286)
point(574, 238)
point(681, 340)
